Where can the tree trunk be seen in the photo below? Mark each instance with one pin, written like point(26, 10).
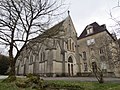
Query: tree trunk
point(99, 76)
point(12, 76)
point(12, 67)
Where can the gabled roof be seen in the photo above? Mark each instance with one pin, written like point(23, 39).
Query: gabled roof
point(96, 29)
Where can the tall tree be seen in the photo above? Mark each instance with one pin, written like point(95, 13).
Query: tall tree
point(22, 20)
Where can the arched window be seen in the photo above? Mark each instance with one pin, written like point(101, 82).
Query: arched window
point(43, 56)
point(31, 58)
point(101, 51)
point(84, 55)
point(67, 44)
point(73, 48)
point(85, 67)
point(70, 60)
point(70, 45)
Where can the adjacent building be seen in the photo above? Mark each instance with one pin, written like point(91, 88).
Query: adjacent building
point(97, 47)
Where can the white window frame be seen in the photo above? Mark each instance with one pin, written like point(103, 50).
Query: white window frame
point(90, 41)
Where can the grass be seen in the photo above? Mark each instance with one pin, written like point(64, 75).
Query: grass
point(58, 83)
point(89, 85)
point(97, 86)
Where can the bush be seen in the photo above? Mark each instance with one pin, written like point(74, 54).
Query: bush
point(29, 75)
point(33, 81)
point(21, 85)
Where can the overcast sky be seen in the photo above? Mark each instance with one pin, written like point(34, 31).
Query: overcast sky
point(84, 12)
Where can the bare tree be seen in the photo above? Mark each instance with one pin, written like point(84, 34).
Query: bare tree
point(95, 63)
point(97, 72)
point(22, 20)
point(115, 17)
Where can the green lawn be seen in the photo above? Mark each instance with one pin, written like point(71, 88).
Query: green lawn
point(81, 85)
point(90, 85)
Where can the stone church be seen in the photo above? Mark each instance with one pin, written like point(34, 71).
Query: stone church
point(59, 52)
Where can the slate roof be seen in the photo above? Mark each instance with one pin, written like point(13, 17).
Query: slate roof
point(53, 30)
point(96, 29)
point(50, 32)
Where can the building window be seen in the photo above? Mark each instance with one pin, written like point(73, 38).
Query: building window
point(42, 56)
point(31, 58)
point(84, 55)
point(90, 42)
point(73, 46)
point(70, 60)
point(102, 58)
point(101, 51)
point(70, 45)
point(90, 30)
point(85, 67)
point(67, 45)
